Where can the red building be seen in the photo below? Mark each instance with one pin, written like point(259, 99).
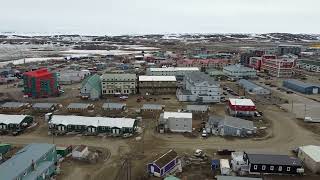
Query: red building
point(281, 67)
point(40, 83)
point(241, 107)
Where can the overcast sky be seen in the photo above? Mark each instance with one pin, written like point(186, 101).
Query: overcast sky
point(114, 17)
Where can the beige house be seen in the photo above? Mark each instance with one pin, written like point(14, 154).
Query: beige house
point(157, 85)
point(118, 84)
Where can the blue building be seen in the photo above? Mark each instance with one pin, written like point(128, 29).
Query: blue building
point(253, 88)
point(163, 164)
point(33, 162)
point(302, 87)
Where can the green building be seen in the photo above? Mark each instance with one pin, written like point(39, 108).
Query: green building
point(14, 123)
point(91, 87)
point(33, 162)
point(92, 125)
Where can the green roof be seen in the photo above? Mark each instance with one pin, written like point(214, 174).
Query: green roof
point(94, 81)
point(311, 62)
point(171, 178)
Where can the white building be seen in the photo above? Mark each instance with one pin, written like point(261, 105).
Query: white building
point(118, 84)
point(199, 87)
point(69, 77)
point(80, 151)
point(310, 155)
point(179, 72)
point(239, 71)
point(175, 122)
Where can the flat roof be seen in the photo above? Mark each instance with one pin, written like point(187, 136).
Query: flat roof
point(157, 78)
point(175, 69)
point(197, 107)
point(312, 151)
point(23, 159)
point(92, 121)
point(167, 115)
point(11, 119)
point(113, 105)
point(43, 105)
point(152, 106)
point(241, 102)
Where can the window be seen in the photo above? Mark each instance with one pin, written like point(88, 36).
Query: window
point(255, 167)
point(271, 168)
point(280, 168)
point(288, 169)
point(264, 167)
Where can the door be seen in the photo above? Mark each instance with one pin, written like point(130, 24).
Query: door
point(117, 131)
point(315, 91)
point(152, 169)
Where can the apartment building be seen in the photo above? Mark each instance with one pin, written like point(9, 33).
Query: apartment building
point(157, 85)
point(281, 67)
point(179, 72)
point(239, 71)
point(199, 87)
point(113, 84)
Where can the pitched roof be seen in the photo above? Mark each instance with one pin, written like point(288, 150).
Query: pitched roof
point(78, 105)
point(113, 105)
point(237, 123)
point(13, 104)
point(152, 106)
point(199, 77)
point(301, 84)
point(23, 159)
point(197, 107)
point(11, 119)
point(167, 115)
point(273, 159)
point(92, 121)
point(236, 178)
point(165, 158)
point(43, 105)
point(94, 81)
point(312, 151)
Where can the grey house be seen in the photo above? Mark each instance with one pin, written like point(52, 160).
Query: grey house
point(44, 107)
point(175, 122)
point(253, 88)
point(212, 124)
point(151, 109)
point(13, 106)
point(114, 109)
point(231, 126)
point(79, 107)
point(198, 109)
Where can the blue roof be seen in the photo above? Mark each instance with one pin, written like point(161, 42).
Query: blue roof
point(300, 83)
point(248, 85)
point(22, 160)
point(40, 169)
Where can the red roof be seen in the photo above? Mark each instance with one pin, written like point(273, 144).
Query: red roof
point(38, 73)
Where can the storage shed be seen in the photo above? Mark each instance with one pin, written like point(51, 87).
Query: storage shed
point(44, 107)
point(310, 156)
point(198, 109)
point(175, 122)
point(302, 87)
point(114, 108)
point(151, 109)
point(79, 107)
point(163, 164)
point(13, 106)
point(253, 88)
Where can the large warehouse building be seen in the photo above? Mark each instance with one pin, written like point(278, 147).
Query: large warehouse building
point(253, 88)
point(302, 87)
